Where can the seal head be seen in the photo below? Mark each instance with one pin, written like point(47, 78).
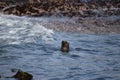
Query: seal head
point(64, 46)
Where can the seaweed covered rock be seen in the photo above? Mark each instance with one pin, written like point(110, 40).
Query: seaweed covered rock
point(65, 46)
point(20, 75)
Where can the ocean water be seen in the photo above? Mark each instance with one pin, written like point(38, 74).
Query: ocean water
point(27, 45)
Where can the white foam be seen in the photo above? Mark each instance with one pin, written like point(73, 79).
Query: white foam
point(16, 30)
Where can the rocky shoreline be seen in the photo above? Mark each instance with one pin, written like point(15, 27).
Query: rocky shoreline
point(60, 8)
point(97, 16)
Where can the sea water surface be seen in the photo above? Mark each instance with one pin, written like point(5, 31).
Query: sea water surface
point(27, 45)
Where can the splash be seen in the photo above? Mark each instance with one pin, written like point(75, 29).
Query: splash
point(16, 30)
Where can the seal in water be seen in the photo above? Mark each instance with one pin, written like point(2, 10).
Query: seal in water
point(64, 46)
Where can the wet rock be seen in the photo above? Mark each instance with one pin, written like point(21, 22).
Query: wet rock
point(14, 70)
point(9, 9)
point(2, 5)
point(65, 46)
point(69, 8)
point(118, 5)
point(9, 2)
point(20, 75)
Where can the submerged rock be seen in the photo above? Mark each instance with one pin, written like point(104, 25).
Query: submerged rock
point(20, 75)
point(65, 46)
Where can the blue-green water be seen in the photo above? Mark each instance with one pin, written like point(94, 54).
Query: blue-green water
point(26, 44)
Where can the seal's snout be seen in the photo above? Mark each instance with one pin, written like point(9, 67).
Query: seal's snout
point(64, 46)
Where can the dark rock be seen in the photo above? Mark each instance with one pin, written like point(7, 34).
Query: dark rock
point(65, 46)
point(118, 5)
point(9, 2)
point(69, 8)
point(2, 5)
point(20, 75)
point(14, 70)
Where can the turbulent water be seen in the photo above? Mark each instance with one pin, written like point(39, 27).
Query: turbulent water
point(26, 44)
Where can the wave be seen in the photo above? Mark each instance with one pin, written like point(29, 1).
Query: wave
point(16, 30)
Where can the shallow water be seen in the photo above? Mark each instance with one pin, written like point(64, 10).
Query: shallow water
point(26, 44)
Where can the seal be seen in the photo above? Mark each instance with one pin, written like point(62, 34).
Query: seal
point(64, 46)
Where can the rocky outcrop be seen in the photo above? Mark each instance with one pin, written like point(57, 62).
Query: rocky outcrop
point(10, 2)
point(6, 3)
point(20, 75)
point(42, 9)
point(64, 8)
point(64, 46)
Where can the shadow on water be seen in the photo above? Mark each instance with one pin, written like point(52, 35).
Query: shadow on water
point(2, 51)
point(105, 78)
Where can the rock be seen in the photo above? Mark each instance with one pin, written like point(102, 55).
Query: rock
point(14, 70)
point(65, 46)
point(71, 8)
point(118, 5)
point(20, 75)
point(2, 5)
point(9, 9)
